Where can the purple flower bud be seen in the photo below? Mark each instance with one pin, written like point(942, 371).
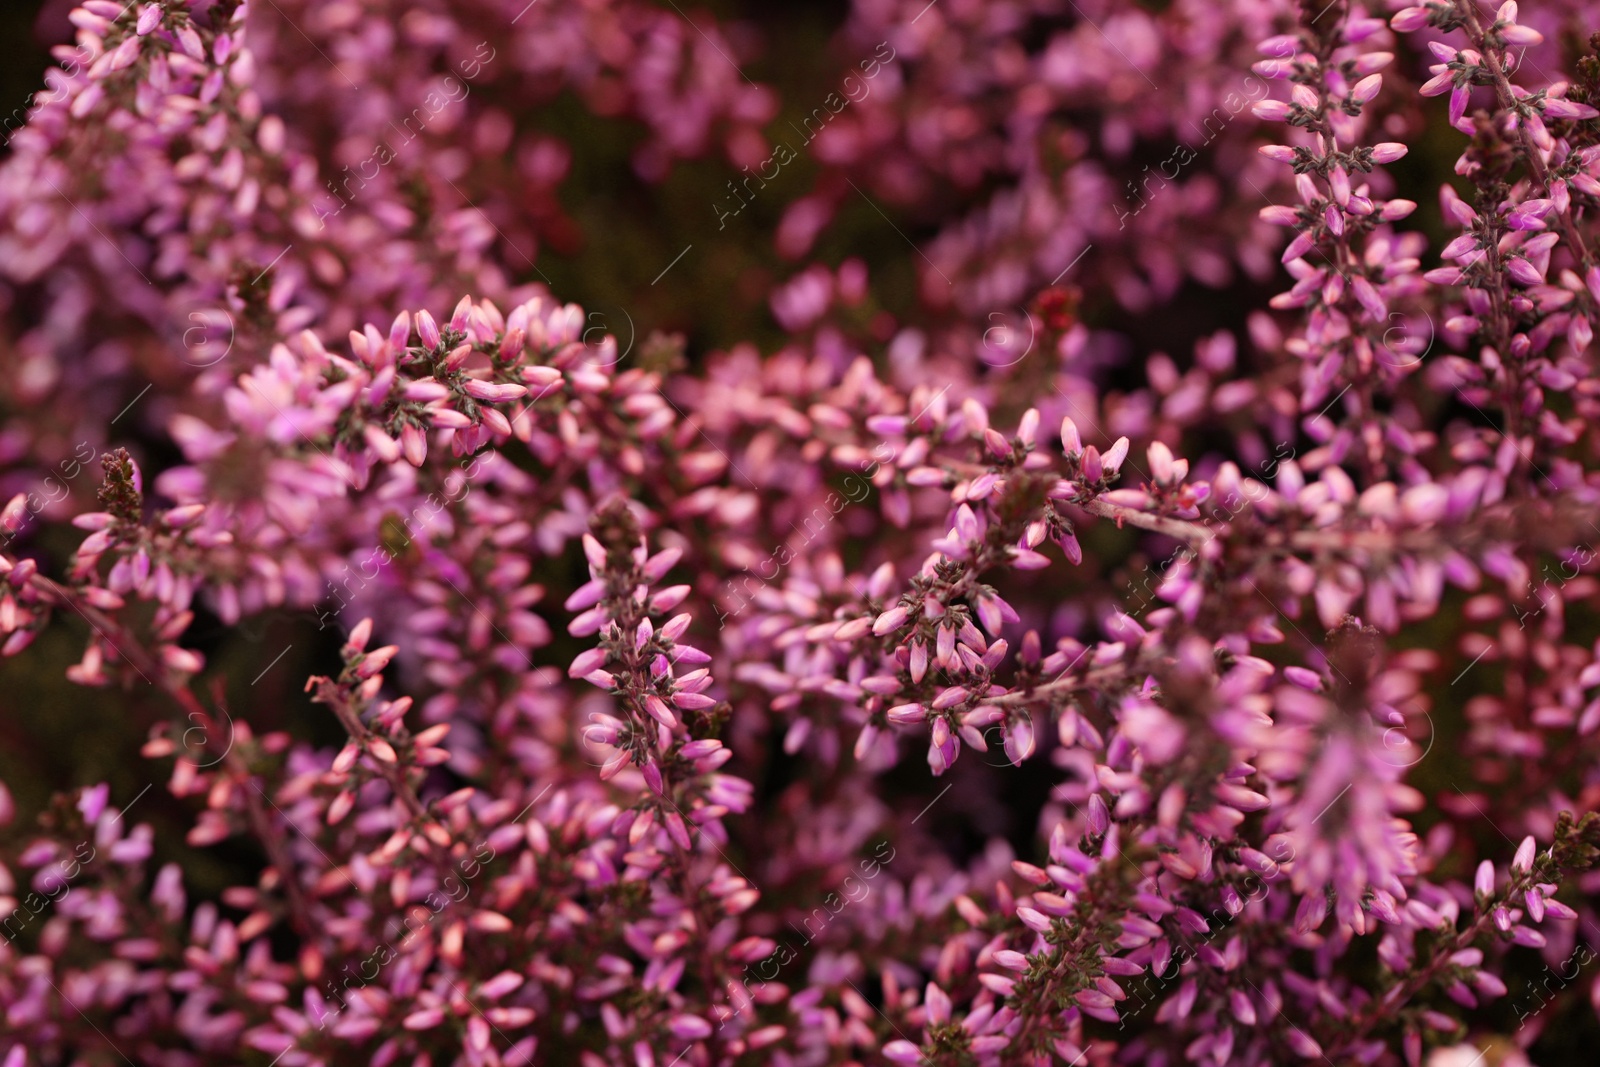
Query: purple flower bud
point(901, 1051)
point(1558, 108)
point(1522, 862)
point(890, 620)
point(1093, 470)
point(428, 330)
point(656, 567)
point(1483, 883)
point(689, 1028)
point(1071, 442)
point(907, 714)
point(1113, 458)
point(1520, 36)
point(1302, 243)
point(1523, 272)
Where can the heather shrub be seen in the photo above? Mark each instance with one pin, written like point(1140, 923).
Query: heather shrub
point(957, 533)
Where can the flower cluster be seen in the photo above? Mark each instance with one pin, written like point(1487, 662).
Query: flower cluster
point(1143, 617)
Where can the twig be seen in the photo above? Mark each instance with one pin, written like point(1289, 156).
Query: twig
point(151, 668)
point(1180, 529)
point(1508, 100)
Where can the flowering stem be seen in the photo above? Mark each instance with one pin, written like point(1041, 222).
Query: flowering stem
point(1508, 100)
point(1175, 528)
point(147, 665)
point(261, 826)
point(1385, 1007)
point(430, 829)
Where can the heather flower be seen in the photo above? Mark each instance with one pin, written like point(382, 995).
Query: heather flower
point(1040, 661)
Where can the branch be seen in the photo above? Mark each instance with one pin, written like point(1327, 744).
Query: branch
point(156, 673)
point(1179, 529)
point(1508, 100)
